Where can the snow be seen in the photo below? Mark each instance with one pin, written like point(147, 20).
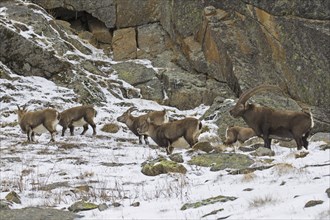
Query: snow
point(81, 160)
point(160, 197)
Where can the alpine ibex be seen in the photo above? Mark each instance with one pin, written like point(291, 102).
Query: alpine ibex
point(133, 123)
point(236, 133)
point(38, 122)
point(266, 121)
point(79, 116)
point(168, 133)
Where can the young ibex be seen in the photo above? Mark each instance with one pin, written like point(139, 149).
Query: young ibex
point(167, 134)
point(133, 123)
point(236, 133)
point(79, 116)
point(38, 122)
point(266, 121)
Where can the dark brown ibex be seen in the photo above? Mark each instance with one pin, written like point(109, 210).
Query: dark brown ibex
point(38, 122)
point(167, 134)
point(236, 133)
point(80, 116)
point(133, 123)
point(266, 121)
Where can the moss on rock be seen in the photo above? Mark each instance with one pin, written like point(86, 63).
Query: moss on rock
point(208, 201)
point(220, 161)
point(160, 166)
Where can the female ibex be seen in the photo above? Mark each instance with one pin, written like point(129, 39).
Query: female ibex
point(133, 123)
point(266, 121)
point(38, 122)
point(79, 116)
point(236, 133)
point(165, 135)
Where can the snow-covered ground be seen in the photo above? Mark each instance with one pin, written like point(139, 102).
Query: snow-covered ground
point(278, 193)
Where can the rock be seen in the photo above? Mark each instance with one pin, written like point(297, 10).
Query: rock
point(208, 201)
point(220, 161)
point(124, 44)
point(180, 19)
point(301, 154)
point(32, 59)
point(187, 91)
point(143, 78)
point(203, 146)
point(325, 147)
point(110, 128)
point(249, 170)
point(176, 158)
point(82, 206)
point(103, 207)
point(82, 188)
point(312, 203)
point(99, 30)
point(287, 144)
point(161, 166)
point(116, 204)
point(321, 136)
point(135, 204)
point(37, 214)
point(262, 151)
point(151, 40)
point(248, 189)
point(214, 212)
point(52, 186)
point(328, 192)
point(4, 205)
point(136, 13)
point(13, 197)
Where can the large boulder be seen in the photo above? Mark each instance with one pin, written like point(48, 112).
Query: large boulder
point(124, 44)
point(142, 78)
point(151, 40)
point(134, 13)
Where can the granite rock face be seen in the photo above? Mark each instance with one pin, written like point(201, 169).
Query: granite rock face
point(217, 48)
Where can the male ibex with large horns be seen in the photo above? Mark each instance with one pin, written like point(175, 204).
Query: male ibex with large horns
point(266, 121)
point(133, 123)
point(38, 122)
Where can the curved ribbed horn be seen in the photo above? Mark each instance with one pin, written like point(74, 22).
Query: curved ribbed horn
point(249, 93)
point(131, 109)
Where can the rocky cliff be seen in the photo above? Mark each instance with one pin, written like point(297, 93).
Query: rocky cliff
point(201, 50)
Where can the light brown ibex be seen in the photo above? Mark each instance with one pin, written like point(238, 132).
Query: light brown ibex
point(165, 135)
point(236, 133)
point(266, 121)
point(38, 122)
point(133, 123)
point(79, 116)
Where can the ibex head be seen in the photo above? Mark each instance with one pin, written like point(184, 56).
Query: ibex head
point(240, 107)
point(21, 112)
point(123, 118)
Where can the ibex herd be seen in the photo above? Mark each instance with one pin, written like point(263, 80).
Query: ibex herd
point(263, 122)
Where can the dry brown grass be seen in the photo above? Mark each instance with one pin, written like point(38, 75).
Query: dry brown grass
point(248, 177)
point(262, 201)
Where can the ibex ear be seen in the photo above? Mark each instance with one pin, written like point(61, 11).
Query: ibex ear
point(148, 120)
